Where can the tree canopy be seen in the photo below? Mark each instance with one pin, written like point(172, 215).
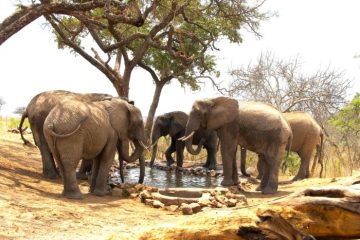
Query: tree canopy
point(289, 87)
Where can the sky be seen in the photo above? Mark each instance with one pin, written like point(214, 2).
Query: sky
point(319, 32)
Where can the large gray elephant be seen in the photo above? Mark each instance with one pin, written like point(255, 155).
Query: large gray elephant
point(173, 124)
point(77, 130)
point(307, 136)
point(256, 126)
point(38, 109)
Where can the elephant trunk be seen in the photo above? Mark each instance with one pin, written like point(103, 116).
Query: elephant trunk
point(153, 154)
point(155, 135)
point(188, 143)
point(136, 153)
point(142, 169)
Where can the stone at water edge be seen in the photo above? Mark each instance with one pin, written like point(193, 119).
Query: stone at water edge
point(157, 204)
point(186, 209)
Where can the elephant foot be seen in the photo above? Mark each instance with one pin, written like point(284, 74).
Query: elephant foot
point(72, 194)
point(227, 182)
point(269, 190)
point(81, 176)
point(299, 177)
point(170, 162)
point(212, 167)
point(100, 192)
point(206, 165)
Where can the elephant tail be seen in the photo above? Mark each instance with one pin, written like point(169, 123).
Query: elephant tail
point(21, 130)
point(50, 128)
point(288, 147)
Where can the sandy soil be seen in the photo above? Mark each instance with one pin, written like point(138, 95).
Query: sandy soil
point(31, 206)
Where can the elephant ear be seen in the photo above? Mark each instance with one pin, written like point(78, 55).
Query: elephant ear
point(223, 110)
point(175, 126)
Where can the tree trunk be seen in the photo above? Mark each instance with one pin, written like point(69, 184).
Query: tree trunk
point(152, 109)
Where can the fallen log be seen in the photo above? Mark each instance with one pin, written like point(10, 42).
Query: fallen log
point(322, 212)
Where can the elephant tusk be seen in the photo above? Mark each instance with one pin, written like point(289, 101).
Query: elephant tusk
point(187, 137)
point(143, 145)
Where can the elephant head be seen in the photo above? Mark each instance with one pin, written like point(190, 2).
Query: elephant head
point(172, 123)
point(209, 114)
point(127, 121)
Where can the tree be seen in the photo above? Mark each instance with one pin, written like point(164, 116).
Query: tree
point(169, 39)
point(347, 123)
point(20, 110)
point(284, 84)
point(29, 13)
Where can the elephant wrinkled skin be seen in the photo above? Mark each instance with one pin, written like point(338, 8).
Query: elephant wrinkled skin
point(77, 130)
point(307, 136)
point(256, 126)
point(38, 109)
point(173, 124)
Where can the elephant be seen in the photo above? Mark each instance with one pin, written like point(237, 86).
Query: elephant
point(254, 125)
point(307, 136)
point(77, 130)
point(38, 109)
point(173, 124)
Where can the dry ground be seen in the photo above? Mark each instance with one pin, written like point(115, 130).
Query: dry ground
point(31, 206)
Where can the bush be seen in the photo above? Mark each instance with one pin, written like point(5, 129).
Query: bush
point(292, 164)
point(12, 122)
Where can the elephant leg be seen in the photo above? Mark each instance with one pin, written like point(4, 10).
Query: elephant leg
point(260, 166)
point(94, 173)
point(228, 154)
point(169, 159)
point(303, 172)
point(71, 188)
point(235, 176)
point(272, 173)
point(265, 172)
point(243, 162)
point(105, 161)
point(85, 167)
point(48, 163)
point(180, 145)
point(211, 158)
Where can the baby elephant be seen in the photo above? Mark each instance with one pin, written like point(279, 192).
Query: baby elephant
point(77, 130)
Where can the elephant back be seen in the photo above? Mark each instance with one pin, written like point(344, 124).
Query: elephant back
point(67, 116)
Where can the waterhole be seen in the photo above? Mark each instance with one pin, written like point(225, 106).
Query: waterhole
point(166, 179)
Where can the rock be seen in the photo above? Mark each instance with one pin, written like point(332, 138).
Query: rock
point(222, 190)
point(151, 189)
point(213, 173)
point(231, 202)
point(172, 208)
point(130, 191)
point(219, 198)
point(139, 187)
point(204, 202)
point(186, 209)
point(239, 197)
point(149, 202)
point(157, 204)
point(117, 192)
point(134, 195)
point(145, 195)
point(195, 207)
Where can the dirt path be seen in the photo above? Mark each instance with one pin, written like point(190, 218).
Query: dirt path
point(31, 206)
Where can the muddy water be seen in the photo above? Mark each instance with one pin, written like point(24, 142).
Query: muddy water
point(167, 179)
